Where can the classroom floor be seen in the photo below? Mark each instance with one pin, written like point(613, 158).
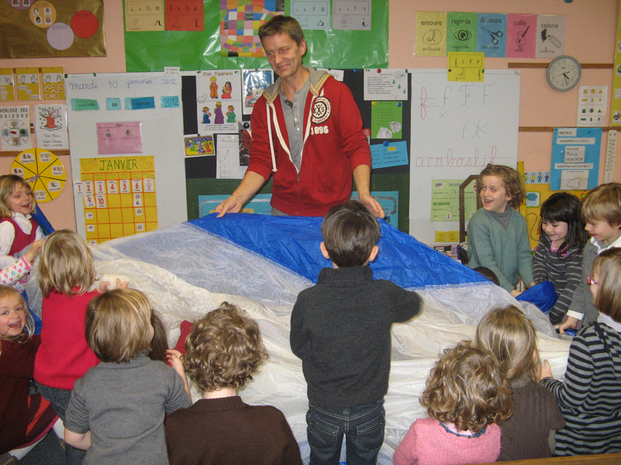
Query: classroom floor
point(47, 452)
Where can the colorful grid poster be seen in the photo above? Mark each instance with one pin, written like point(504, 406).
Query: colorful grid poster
point(119, 196)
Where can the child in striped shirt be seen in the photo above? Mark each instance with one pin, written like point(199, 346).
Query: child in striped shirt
point(589, 396)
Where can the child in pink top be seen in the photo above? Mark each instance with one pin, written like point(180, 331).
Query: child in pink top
point(466, 397)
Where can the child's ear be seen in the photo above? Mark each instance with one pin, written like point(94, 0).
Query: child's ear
point(324, 251)
point(374, 253)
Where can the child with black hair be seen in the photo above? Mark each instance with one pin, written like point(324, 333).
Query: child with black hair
point(340, 328)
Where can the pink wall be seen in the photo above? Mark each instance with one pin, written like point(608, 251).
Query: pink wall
point(60, 211)
point(590, 37)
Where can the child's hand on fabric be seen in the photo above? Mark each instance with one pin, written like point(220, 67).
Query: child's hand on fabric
point(546, 371)
point(515, 292)
point(106, 286)
point(571, 322)
point(34, 250)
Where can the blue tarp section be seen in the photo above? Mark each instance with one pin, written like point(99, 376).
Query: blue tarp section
point(542, 295)
point(293, 242)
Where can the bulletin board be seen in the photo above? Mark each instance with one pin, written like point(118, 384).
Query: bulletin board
point(126, 127)
point(193, 50)
point(457, 129)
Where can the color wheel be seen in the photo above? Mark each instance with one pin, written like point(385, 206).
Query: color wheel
point(43, 171)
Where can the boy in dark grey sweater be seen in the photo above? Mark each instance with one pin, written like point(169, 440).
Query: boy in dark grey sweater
point(340, 328)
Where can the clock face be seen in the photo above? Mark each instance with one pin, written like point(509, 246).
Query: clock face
point(563, 73)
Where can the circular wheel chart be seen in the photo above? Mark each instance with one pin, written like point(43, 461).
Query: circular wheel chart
point(43, 171)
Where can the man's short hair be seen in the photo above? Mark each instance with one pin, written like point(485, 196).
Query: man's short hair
point(350, 231)
point(224, 349)
point(282, 24)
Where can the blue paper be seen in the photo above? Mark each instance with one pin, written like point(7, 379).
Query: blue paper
point(393, 154)
point(113, 104)
point(139, 103)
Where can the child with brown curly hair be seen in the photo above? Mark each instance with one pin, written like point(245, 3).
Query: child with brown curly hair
point(224, 349)
point(467, 397)
point(497, 233)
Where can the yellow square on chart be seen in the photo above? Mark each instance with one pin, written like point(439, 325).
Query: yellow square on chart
point(116, 230)
point(115, 215)
point(150, 199)
point(128, 216)
point(114, 200)
point(151, 214)
point(151, 226)
point(128, 229)
point(103, 216)
point(127, 200)
point(104, 232)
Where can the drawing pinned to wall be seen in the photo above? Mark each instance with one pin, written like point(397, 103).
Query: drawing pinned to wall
point(389, 154)
point(430, 34)
point(7, 85)
point(445, 200)
point(492, 34)
point(71, 28)
point(239, 25)
point(228, 161)
point(15, 127)
point(53, 83)
point(255, 81)
point(385, 84)
point(386, 120)
point(44, 172)
point(466, 66)
point(28, 84)
point(218, 101)
point(592, 102)
point(185, 15)
point(351, 15)
point(615, 101)
point(144, 15)
point(312, 14)
point(550, 36)
point(575, 158)
point(118, 138)
point(119, 197)
point(461, 32)
point(521, 35)
point(198, 146)
point(536, 177)
point(51, 127)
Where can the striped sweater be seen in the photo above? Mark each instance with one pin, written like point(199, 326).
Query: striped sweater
point(565, 272)
point(590, 396)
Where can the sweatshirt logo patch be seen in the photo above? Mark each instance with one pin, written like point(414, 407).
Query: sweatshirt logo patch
point(321, 110)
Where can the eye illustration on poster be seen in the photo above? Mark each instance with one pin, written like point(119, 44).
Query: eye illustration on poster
point(255, 82)
point(219, 101)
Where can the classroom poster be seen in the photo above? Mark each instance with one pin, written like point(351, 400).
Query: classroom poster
point(385, 84)
point(51, 127)
point(492, 34)
point(144, 15)
point(28, 84)
point(118, 195)
point(7, 85)
point(240, 21)
point(218, 101)
point(386, 120)
point(121, 137)
point(255, 81)
point(53, 83)
point(184, 15)
point(550, 36)
point(575, 158)
point(592, 103)
point(312, 14)
point(461, 32)
point(445, 200)
point(615, 101)
point(44, 172)
point(430, 34)
point(351, 15)
point(15, 127)
point(521, 35)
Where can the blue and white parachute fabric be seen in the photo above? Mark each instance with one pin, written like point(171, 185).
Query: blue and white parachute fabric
point(261, 263)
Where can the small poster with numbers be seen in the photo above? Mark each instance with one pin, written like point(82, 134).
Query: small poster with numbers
point(118, 195)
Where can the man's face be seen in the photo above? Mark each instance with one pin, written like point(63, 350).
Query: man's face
point(284, 55)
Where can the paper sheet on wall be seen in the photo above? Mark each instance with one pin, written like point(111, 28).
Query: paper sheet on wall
point(15, 127)
point(312, 14)
point(218, 106)
point(228, 159)
point(386, 120)
point(7, 85)
point(385, 84)
point(51, 127)
point(351, 15)
point(592, 103)
point(144, 15)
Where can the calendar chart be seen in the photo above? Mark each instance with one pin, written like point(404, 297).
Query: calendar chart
point(119, 196)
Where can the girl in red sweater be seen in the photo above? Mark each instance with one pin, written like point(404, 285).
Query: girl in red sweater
point(66, 277)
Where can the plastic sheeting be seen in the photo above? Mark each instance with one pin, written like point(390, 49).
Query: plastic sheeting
point(187, 271)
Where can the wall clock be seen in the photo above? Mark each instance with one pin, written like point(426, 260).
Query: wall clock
point(563, 73)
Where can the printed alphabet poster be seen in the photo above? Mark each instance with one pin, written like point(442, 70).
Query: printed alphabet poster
point(119, 196)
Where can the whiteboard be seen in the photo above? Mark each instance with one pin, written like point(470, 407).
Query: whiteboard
point(161, 123)
point(457, 129)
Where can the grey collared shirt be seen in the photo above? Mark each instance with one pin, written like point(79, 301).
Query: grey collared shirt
point(294, 119)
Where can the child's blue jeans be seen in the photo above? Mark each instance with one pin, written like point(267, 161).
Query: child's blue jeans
point(362, 426)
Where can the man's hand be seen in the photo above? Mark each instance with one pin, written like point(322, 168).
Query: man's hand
point(230, 205)
point(571, 322)
point(369, 201)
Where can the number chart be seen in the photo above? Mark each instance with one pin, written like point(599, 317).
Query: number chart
point(119, 196)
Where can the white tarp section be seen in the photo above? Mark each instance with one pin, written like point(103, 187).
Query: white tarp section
point(187, 272)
